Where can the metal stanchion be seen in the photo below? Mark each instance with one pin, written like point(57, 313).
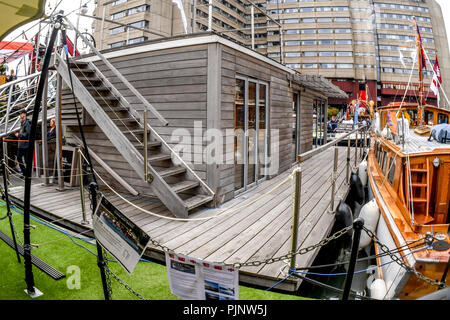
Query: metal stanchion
point(333, 178)
point(358, 224)
point(356, 148)
point(8, 208)
point(80, 174)
point(347, 174)
point(296, 206)
point(145, 145)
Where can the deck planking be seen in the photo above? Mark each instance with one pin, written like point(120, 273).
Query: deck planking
point(260, 231)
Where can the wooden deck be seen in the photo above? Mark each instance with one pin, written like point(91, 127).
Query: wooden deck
point(257, 232)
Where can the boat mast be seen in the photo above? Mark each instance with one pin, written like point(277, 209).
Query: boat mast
point(420, 67)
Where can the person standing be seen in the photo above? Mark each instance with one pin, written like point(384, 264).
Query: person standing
point(23, 135)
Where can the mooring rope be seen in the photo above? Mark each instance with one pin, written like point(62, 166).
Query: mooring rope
point(221, 214)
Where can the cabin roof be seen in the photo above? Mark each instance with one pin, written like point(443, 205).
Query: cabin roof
point(411, 106)
point(313, 82)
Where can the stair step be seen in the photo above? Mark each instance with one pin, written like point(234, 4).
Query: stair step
point(167, 172)
point(98, 88)
point(78, 64)
point(419, 200)
point(124, 120)
point(90, 79)
point(419, 170)
point(159, 157)
point(150, 144)
point(419, 185)
point(197, 201)
point(184, 185)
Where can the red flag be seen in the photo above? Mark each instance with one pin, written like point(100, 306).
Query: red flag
point(70, 47)
point(422, 53)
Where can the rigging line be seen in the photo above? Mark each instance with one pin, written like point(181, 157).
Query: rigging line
point(221, 214)
point(109, 106)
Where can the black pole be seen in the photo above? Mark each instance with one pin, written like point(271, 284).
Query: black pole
point(29, 279)
point(93, 186)
point(100, 260)
point(444, 275)
point(8, 209)
point(357, 227)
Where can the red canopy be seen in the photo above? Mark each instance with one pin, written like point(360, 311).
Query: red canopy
point(13, 50)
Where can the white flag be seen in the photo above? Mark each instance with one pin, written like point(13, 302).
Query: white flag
point(183, 15)
point(437, 79)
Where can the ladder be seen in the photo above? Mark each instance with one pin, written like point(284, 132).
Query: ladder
point(419, 197)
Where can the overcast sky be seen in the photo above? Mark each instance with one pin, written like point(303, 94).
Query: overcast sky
point(86, 23)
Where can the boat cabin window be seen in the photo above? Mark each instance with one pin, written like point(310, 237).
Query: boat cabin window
point(380, 156)
point(391, 171)
point(413, 117)
point(442, 118)
point(429, 117)
point(385, 158)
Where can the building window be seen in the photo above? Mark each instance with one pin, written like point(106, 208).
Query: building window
point(344, 65)
point(137, 40)
point(309, 66)
point(118, 15)
point(326, 54)
point(116, 44)
point(344, 53)
point(117, 30)
point(135, 10)
point(327, 65)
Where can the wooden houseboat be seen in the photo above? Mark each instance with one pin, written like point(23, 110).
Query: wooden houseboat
point(200, 88)
point(410, 181)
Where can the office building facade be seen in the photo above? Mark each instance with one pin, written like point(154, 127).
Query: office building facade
point(355, 43)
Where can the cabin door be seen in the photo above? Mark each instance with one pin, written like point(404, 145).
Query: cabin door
point(250, 141)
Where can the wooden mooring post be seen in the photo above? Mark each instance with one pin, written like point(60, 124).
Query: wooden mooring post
point(296, 213)
point(347, 172)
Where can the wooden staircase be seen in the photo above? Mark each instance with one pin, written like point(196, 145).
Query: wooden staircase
point(420, 200)
point(177, 186)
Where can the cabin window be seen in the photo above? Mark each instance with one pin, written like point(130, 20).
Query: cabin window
point(391, 171)
point(413, 117)
point(429, 118)
point(385, 158)
point(380, 156)
point(442, 118)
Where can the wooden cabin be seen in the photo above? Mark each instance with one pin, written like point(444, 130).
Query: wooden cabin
point(431, 115)
point(212, 92)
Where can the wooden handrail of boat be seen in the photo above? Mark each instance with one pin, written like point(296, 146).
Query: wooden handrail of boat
point(308, 154)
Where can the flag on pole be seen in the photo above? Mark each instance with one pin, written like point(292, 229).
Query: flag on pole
point(421, 52)
point(437, 80)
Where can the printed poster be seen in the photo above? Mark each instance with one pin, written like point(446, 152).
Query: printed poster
point(194, 279)
point(118, 235)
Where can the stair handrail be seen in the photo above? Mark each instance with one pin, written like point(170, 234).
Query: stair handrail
point(140, 119)
point(29, 100)
point(117, 73)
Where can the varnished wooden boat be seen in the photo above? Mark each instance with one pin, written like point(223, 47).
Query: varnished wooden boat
point(411, 185)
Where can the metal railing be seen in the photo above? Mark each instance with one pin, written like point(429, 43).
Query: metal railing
point(21, 94)
point(137, 115)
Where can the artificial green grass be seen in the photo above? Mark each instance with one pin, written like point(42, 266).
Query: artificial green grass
point(58, 250)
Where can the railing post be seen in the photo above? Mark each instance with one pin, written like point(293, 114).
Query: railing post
point(145, 146)
point(58, 151)
point(44, 135)
point(80, 174)
point(347, 174)
point(296, 213)
point(333, 177)
point(358, 224)
point(5, 157)
point(8, 105)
